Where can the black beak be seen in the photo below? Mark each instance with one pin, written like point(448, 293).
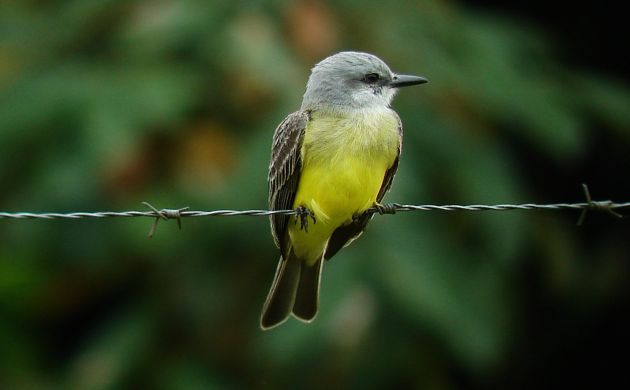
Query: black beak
point(401, 80)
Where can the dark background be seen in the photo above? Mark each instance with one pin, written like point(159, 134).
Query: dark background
point(104, 104)
point(580, 348)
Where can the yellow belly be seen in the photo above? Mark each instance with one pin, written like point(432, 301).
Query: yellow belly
point(344, 163)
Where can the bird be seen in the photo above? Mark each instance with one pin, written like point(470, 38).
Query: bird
point(331, 161)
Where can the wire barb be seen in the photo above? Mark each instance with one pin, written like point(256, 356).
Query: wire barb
point(165, 214)
point(606, 206)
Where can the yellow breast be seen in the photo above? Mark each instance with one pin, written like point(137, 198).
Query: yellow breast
point(344, 160)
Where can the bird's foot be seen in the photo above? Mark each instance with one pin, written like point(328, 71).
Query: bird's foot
point(356, 218)
point(302, 213)
point(388, 208)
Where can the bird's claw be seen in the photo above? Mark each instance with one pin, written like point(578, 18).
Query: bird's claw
point(389, 208)
point(302, 213)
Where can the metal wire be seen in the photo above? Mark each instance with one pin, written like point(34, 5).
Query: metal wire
point(607, 206)
point(165, 214)
point(391, 208)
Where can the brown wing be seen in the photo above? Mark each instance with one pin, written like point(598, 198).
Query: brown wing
point(284, 172)
point(345, 234)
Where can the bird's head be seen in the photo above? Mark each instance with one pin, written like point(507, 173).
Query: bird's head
point(353, 80)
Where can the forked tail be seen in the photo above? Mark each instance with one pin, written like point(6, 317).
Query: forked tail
point(295, 289)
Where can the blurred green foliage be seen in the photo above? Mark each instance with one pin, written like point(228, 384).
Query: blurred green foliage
point(104, 104)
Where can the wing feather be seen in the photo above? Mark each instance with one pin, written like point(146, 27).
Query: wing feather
point(284, 172)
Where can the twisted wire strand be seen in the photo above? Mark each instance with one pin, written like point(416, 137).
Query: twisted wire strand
point(607, 206)
point(391, 208)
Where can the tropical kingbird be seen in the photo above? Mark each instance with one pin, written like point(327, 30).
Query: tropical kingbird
point(332, 160)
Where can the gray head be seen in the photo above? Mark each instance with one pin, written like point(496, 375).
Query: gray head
point(353, 80)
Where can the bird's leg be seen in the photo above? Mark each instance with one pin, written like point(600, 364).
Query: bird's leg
point(302, 213)
point(388, 208)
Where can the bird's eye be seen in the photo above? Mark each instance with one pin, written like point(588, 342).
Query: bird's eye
point(371, 78)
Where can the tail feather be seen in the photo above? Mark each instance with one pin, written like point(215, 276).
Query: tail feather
point(281, 296)
point(295, 289)
point(307, 297)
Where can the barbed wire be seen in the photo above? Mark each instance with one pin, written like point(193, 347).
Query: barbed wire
point(391, 209)
point(607, 206)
